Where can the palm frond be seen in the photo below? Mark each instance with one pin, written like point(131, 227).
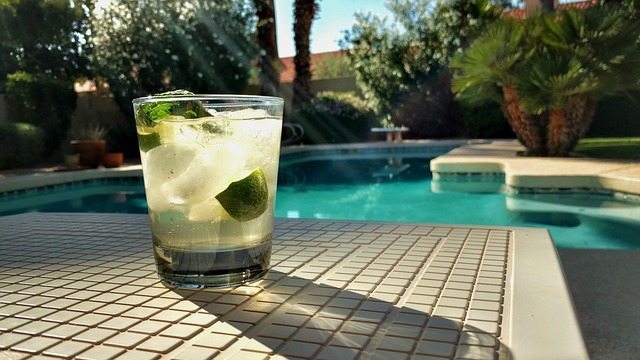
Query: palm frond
point(485, 66)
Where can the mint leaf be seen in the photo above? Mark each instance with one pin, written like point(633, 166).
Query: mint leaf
point(190, 114)
point(159, 111)
point(153, 113)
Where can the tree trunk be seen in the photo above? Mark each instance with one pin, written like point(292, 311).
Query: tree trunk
point(529, 129)
point(553, 133)
point(269, 76)
point(304, 13)
point(568, 125)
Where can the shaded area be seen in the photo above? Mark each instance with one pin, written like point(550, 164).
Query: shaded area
point(298, 317)
point(604, 286)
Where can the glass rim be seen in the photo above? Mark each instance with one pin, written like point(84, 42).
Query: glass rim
point(225, 100)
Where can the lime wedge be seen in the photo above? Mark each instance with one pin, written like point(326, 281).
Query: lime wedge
point(148, 141)
point(247, 198)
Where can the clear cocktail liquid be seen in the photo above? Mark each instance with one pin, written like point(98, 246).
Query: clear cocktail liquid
point(186, 164)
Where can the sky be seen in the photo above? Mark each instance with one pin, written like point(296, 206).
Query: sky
point(334, 17)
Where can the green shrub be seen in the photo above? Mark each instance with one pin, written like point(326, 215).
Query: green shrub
point(22, 145)
point(333, 117)
point(485, 121)
point(41, 101)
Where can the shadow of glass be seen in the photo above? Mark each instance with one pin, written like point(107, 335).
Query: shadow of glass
point(296, 317)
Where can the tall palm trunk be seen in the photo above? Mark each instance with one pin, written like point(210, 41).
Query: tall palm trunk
point(266, 28)
point(304, 12)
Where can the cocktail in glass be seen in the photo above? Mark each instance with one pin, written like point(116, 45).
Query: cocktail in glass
point(210, 165)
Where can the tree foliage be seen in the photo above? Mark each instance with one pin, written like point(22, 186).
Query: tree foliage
point(549, 71)
point(150, 46)
point(401, 65)
point(332, 67)
point(43, 49)
point(44, 37)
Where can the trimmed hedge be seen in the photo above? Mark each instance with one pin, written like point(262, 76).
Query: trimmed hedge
point(41, 101)
point(332, 117)
point(22, 145)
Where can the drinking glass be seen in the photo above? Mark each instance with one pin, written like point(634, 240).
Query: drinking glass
point(210, 165)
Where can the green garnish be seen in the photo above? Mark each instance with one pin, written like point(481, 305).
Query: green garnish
point(148, 141)
point(247, 198)
point(153, 113)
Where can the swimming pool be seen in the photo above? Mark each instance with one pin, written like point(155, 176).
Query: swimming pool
point(387, 187)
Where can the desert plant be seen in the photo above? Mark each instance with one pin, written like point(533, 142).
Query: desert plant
point(22, 145)
point(88, 131)
point(332, 117)
point(548, 72)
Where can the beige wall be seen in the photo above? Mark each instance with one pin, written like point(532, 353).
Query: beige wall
point(347, 84)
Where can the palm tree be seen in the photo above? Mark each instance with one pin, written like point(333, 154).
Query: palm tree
point(549, 71)
point(266, 28)
point(304, 13)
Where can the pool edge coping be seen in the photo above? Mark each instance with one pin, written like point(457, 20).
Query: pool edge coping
point(38, 180)
point(536, 173)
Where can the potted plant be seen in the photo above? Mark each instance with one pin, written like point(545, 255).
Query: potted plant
point(88, 142)
point(112, 159)
point(548, 72)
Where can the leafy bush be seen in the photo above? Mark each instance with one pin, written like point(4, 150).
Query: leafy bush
point(41, 101)
point(44, 37)
point(332, 67)
point(152, 46)
point(22, 145)
point(146, 47)
point(333, 117)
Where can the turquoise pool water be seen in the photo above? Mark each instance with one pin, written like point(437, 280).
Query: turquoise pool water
point(389, 189)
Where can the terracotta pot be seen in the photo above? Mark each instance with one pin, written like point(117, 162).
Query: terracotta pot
point(112, 160)
point(90, 151)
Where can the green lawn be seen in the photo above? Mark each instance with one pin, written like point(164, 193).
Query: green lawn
point(610, 148)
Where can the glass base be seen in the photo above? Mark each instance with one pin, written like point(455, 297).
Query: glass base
point(179, 268)
point(212, 281)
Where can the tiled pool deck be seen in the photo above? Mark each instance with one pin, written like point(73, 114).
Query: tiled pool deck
point(85, 286)
point(609, 329)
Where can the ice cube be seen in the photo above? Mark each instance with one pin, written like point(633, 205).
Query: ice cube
point(208, 210)
point(166, 162)
point(213, 169)
point(244, 114)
